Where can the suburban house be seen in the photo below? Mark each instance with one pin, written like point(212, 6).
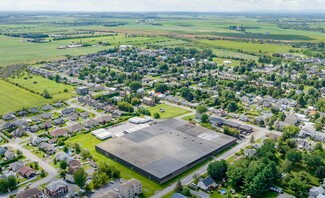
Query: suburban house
point(130, 188)
point(3, 150)
point(27, 172)
point(9, 155)
point(56, 188)
point(68, 111)
point(104, 119)
point(69, 175)
point(75, 128)
point(74, 164)
point(148, 101)
point(91, 123)
point(30, 193)
point(82, 91)
point(15, 166)
point(47, 148)
point(207, 183)
point(316, 192)
point(58, 133)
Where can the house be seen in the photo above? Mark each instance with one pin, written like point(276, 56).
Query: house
point(9, 155)
point(47, 148)
point(303, 144)
point(68, 111)
point(206, 183)
point(91, 123)
point(58, 133)
point(249, 152)
point(30, 193)
point(104, 119)
point(243, 118)
point(109, 108)
point(116, 113)
point(46, 115)
point(74, 117)
point(148, 101)
point(74, 128)
point(58, 105)
point(130, 188)
point(61, 156)
point(46, 125)
point(3, 150)
point(314, 192)
point(82, 91)
point(8, 116)
point(69, 176)
point(47, 107)
point(178, 195)
point(56, 188)
point(34, 128)
point(74, 164)
point(279, 125)
point(33, 110)
point(15, 166)
point(59, 121)
point(35, 141)
point(27, 172)
point(291, 119)
point(84, 115)
point(19, 132)
point(22, 113)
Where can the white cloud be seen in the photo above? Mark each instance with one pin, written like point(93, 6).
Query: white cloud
point(160, 5)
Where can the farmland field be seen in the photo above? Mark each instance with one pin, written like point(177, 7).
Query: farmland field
point(58, 91)
point(247, 46)
point(17, 50)
point(13, 98)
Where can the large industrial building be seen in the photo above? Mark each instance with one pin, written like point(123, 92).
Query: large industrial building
point(166, 149)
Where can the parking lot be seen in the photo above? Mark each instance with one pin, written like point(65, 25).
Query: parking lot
point(113, 185)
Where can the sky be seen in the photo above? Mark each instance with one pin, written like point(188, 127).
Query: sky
point(160, 5)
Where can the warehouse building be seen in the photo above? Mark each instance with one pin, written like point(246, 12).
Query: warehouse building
point(164, 150)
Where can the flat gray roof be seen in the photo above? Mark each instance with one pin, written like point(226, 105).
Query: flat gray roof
point(165, 147)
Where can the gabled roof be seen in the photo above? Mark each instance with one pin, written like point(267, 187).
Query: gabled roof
point(29, 193)
point(55, 185)
point(208, 181)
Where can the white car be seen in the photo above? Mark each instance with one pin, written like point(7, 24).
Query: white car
point(116, 189)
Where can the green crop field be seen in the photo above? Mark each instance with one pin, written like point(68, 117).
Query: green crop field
point(248, 46)
point(13, 98)
point(17, 50)
point(169, 111)
point(38, 84)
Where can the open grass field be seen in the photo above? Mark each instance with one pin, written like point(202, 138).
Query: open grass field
point(13, 98)
point(169, 111)
point(38, 84)
point(248, 47)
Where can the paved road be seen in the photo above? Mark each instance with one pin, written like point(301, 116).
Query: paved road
point(52, 172)
point(85, 108)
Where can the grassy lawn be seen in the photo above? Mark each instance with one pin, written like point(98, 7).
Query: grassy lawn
point(187, 118)
point(170, 111)
point(13, 98)
point(38, 84)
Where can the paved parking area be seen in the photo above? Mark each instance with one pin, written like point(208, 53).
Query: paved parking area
point(103, 190)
